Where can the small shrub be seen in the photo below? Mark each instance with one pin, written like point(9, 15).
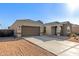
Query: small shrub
point(77, 34)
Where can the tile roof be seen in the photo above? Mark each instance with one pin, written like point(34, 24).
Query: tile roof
point(28, 20)
point(53, 23)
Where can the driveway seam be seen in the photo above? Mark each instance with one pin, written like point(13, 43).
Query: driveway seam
point(68, 49)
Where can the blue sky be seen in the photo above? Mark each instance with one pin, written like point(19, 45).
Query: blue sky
point(44, 12)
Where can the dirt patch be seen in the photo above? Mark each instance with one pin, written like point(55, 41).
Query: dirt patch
point(20, 47)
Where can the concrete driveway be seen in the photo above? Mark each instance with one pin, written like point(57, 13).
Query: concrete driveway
point(58, 46)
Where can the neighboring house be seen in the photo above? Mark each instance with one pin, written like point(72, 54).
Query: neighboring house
point(58, 28)
point(75, 28)
point(27, 27)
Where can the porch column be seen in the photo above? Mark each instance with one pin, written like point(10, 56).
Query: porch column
point(68, 30)
point(58, 30)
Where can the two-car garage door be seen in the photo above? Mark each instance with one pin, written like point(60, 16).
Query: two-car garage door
point(30, 31)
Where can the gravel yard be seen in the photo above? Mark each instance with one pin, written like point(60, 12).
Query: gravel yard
point(20, 47)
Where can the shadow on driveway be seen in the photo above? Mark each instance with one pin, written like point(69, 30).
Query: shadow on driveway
point(49, 38)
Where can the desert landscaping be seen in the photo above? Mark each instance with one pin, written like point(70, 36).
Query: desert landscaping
point(20, 47)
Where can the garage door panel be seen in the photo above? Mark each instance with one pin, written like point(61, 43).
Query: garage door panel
point(30, 31)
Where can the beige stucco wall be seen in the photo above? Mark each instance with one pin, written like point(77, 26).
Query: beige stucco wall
point(49, 30)
point(75, 29)
point(65, 32)
point(17, 26)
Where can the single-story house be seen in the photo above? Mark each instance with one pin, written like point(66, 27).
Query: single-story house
point(27, 27)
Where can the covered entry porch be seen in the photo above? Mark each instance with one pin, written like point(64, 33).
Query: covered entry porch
point(57, 30)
